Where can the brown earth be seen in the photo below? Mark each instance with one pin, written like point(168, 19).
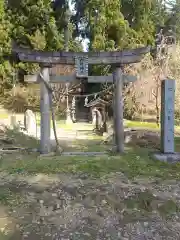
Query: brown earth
point(78, 207)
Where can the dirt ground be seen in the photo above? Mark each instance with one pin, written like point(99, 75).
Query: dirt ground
point(73, 207)
point(79, 206)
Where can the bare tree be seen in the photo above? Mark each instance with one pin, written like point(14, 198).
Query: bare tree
point(60, 90)
point(160, 67)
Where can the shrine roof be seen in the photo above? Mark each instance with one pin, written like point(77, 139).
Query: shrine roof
point(96, 102)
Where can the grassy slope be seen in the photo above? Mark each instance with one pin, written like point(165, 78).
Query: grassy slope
point(134, 163)
point(146, 125)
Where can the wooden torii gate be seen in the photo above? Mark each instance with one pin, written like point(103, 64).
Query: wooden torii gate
point(81, 61)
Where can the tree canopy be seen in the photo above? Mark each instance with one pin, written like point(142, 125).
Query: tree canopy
point(108, 24)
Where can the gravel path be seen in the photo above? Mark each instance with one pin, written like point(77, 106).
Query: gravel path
point(65, 207)
point(61, 133)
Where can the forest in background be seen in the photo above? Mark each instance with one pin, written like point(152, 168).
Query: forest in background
point(107, 24)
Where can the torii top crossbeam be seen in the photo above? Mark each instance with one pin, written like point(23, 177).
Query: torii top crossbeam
point(61, 57)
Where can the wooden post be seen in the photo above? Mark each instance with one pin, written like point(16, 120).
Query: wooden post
point(118, 110)
point(45, 146)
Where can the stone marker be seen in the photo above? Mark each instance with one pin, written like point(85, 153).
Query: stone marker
point(167, 153)
point(97, 118)
point(30, 122)
point(13, 121)
point(167, 115)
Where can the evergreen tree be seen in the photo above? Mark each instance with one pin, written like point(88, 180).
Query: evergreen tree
point(173, 20)
point(108, 24)
point(5, 48)
point(35, 26)
point(104, 24)
point(139, 14)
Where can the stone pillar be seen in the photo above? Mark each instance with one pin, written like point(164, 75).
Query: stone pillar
point(167, 115)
